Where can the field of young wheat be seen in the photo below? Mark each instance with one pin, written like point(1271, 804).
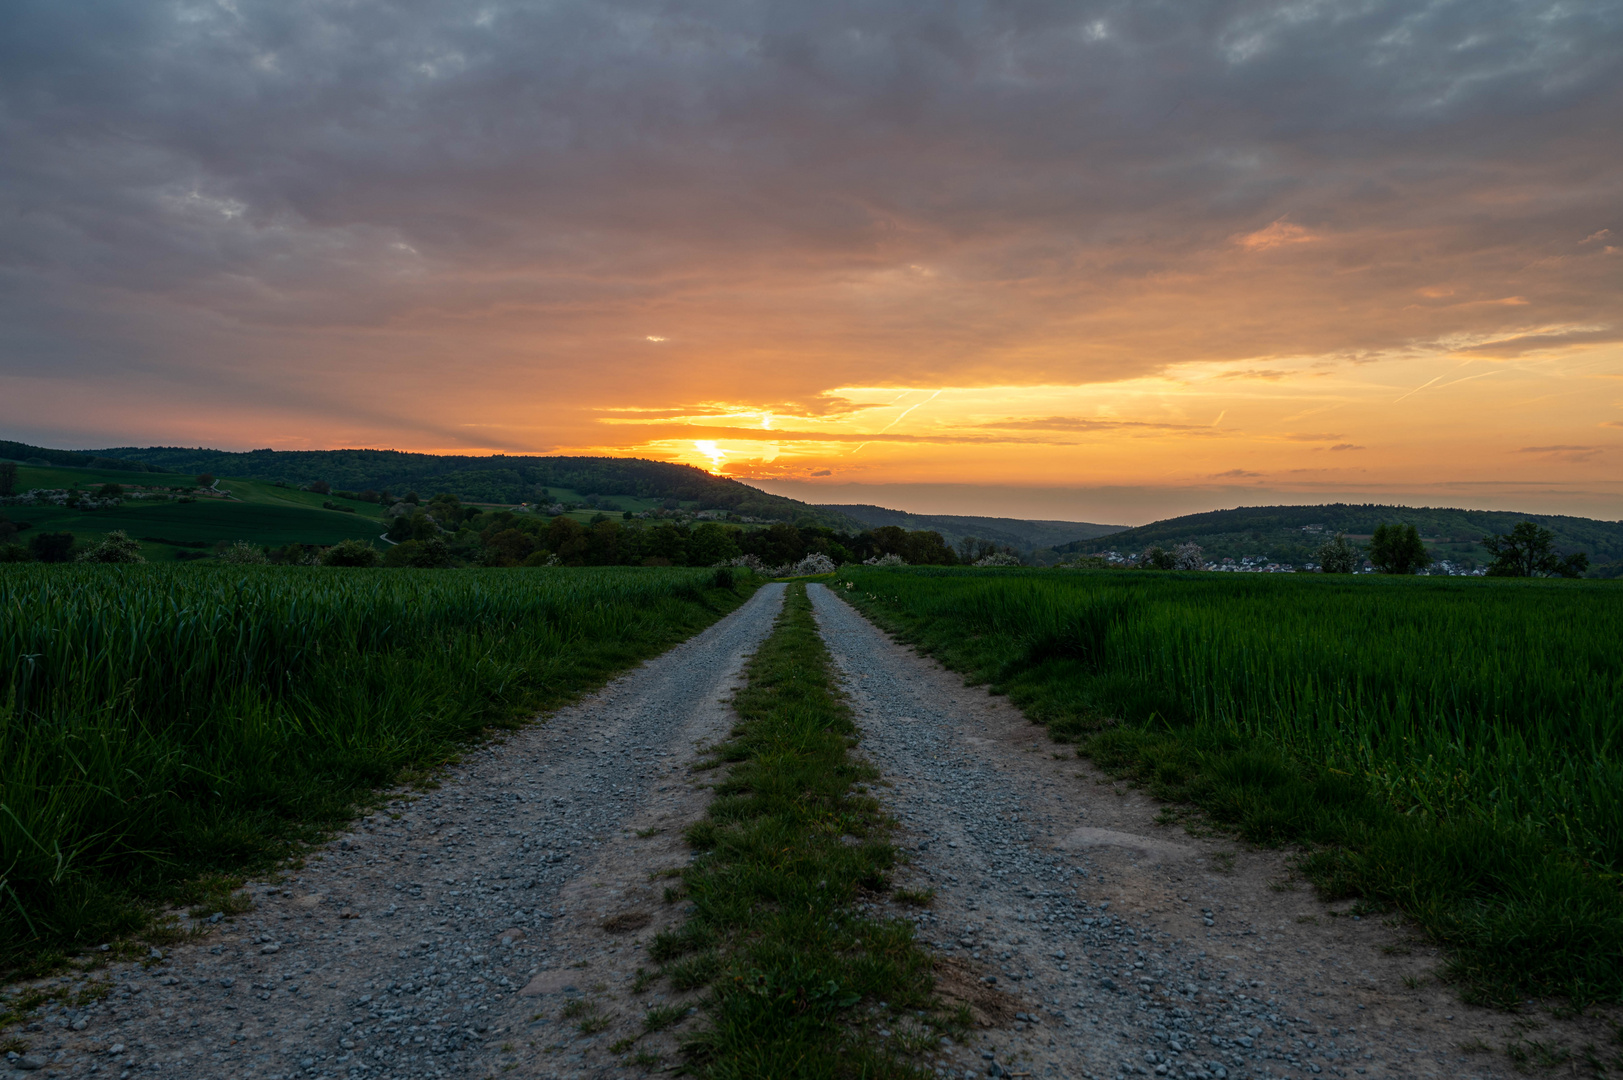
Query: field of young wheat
point(162, 724)
point(1453, 746)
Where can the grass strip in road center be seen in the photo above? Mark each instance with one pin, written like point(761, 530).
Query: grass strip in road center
point(801, 981)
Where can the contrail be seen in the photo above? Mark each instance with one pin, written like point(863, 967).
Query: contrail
point(902, 416)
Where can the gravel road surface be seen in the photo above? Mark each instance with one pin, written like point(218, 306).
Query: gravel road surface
point(496, 925)
point(1123, 948)
point(405, 949)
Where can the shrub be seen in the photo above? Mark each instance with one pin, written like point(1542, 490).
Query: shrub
point(1157, 558)
point(1188, 557)
point(998, 558)
point(10, 553)
point(815, 563)
point(885, 560)
point(242, 553)
point(1338, 556)
point(350, 553)
point(426, 554)
point(117, 547)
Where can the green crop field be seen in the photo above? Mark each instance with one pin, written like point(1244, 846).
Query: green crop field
point(258, 512)
point(30, 477)
point(1451, 746)
point(159, 724)
point(207, 520)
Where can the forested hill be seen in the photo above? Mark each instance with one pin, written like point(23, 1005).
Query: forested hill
point(1017, 533)
point(497, 478)
point(91, 459)
point(1290, 533)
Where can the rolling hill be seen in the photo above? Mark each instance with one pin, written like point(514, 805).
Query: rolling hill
point(497, 478)
point(1291, 533)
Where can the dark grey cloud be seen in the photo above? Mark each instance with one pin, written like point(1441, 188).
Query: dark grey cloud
point(193, 184)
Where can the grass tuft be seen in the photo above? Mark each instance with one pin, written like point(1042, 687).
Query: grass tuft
point(789, 845)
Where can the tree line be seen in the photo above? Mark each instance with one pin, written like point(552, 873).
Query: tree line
point(1528, 550)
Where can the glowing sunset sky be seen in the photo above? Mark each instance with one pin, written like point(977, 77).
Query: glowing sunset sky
point(1094, 261)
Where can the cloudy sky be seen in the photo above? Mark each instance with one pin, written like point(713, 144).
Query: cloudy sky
point(1060, 259)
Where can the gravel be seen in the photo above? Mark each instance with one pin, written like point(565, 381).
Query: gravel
point(401, 949)
point(497, 924)
point(1031, 900)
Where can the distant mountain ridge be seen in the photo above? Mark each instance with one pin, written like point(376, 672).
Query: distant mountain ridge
point(1018, 533)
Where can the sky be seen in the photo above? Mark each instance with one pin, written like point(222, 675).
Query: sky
point(1074, 260)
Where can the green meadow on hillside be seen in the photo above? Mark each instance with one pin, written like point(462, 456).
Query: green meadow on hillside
point(256, 512)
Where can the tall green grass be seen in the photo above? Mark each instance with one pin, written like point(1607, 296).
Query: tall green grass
point(1380, 717)
point(158, 724)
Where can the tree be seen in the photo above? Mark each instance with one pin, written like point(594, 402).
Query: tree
point(1338, 556)
point(711, 543)
point(205, 480)
point(508, 547)
point(110, 491)
point(1397, 549)
point(1528, 551)
point(8, 477)
point(51, 546)
point(320, 487)
point(242, 553)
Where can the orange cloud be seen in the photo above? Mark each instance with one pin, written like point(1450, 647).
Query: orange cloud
point(1277, 234)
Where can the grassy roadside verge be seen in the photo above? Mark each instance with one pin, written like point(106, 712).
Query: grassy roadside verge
point(1190, 687)
point(800, 982)
point(165, 731)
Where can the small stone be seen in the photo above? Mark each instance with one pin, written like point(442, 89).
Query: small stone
point(80, 1024)
point(271, 948)
point(29, 1062)
point(116, 1048)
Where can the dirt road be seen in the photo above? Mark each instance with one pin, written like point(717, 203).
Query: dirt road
point(476, 929)
point(404, 951)
point(1125, 947)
